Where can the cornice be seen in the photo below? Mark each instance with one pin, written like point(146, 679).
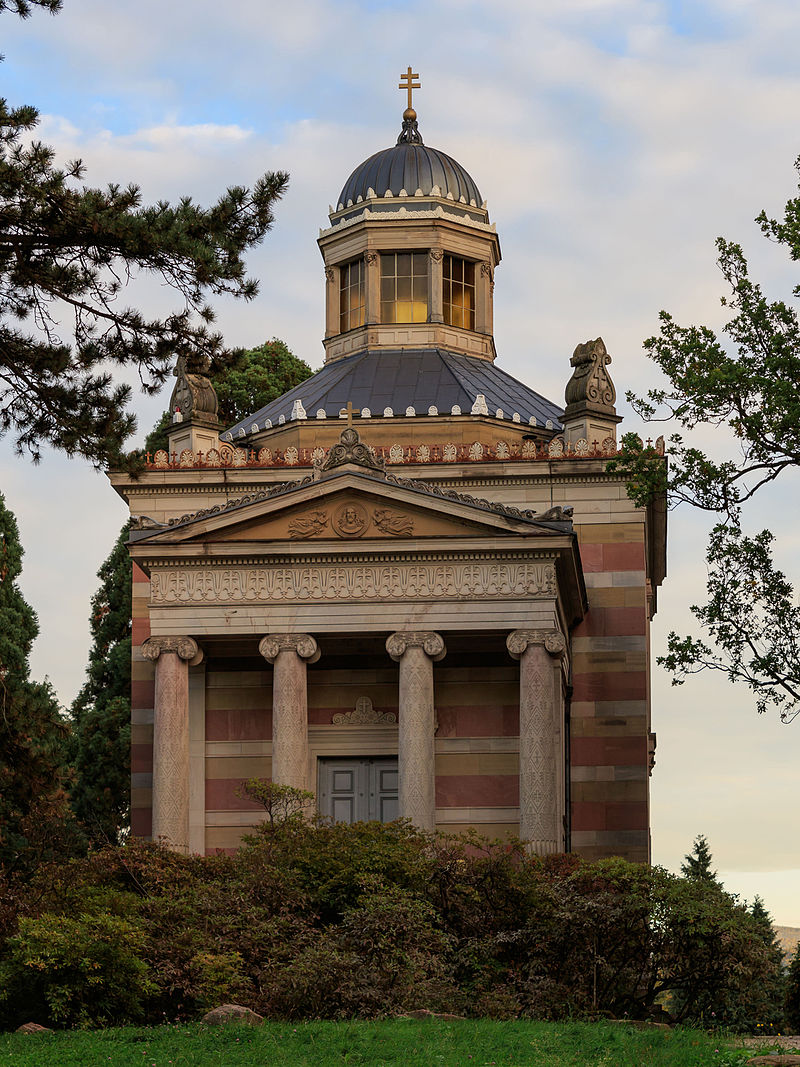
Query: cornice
point(488, 555)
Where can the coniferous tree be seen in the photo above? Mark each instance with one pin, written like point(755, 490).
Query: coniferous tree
point(697, 864)
point(767, 1003)
point(792, 1002)
point(33, 733)
point(66, 251)
point(102, 710)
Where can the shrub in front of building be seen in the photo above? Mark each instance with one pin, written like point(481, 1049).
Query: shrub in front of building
point(321, 920)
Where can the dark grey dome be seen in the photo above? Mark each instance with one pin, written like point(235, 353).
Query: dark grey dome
point(410, 165)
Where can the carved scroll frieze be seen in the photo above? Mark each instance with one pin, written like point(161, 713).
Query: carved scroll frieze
point(364, 582)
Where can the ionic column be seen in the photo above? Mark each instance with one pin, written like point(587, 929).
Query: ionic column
point(541, 758)
point(289, 654)
point(415, 653)
point(171, 656)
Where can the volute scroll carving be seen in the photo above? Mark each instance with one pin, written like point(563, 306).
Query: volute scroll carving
point(193, 396)
point(552, 640)
point(185, 648)
point(304, 645)
point(432, 643)
point(590, 381)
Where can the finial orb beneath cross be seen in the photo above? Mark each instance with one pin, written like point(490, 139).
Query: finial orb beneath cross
point(409, 115)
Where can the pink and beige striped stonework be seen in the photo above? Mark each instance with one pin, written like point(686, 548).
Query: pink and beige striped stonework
point(591, 788)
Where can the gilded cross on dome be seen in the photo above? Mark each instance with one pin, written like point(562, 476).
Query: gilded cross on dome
point(409, 84)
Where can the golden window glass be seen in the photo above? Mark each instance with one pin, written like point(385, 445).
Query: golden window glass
point(352, 301)
point(404, 287)
point(458, 280)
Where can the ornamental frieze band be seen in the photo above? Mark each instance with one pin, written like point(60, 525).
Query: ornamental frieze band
point(225, 585)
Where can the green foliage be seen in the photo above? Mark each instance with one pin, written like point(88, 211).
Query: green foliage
point(84, 971)
point(283, 804)
point(697, 864)
point(745, 383)
point(66, 252)
point(254, 378)
point(33, 734)
point(752, 619)
point(445, 1043)
point(643, 468)
point(159, 435)
point(100, 793)
point(336, 921)
point(768, 1003)
point(792, 1002)
point(257, 377)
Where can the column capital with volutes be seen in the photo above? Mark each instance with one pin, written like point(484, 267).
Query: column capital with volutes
point(185, 648)
point(303, 645)
point(553, 642)
point(397, 644)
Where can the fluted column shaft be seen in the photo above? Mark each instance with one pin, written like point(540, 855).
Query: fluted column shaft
point(415, 652)
point(541, 759)
point(289, 654)
point(171, 656)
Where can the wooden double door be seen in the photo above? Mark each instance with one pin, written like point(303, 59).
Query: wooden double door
point(358, 790)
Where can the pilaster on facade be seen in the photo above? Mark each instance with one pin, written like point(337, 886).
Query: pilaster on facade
point(541, 737)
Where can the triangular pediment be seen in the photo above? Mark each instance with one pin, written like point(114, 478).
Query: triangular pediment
point(351, 506)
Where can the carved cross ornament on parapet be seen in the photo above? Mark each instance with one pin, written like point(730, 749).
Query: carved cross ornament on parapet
point(364, 714)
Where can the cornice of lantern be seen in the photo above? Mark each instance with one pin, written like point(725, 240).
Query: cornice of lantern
point(371, 212)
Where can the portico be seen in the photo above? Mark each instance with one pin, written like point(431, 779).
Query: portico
point(355, 555)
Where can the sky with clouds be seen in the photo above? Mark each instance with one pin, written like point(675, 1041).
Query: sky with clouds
point(613, 140)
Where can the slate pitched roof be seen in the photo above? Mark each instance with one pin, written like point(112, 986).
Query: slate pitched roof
point(402, 378)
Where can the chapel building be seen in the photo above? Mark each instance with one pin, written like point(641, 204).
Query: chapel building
point(410, 584)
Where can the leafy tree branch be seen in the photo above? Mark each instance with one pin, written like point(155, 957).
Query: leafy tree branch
point(745, 381)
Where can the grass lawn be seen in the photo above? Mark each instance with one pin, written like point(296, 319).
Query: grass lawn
point(396, 1041)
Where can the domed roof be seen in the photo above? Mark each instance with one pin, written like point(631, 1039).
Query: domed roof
point(410, 165)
